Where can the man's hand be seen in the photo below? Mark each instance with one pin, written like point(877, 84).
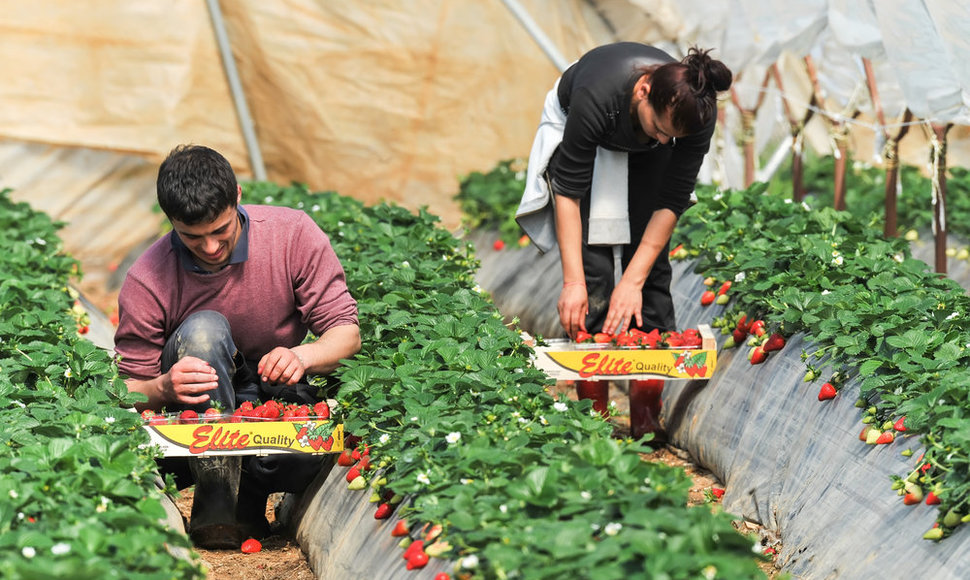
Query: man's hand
point(188, 380)
point(625, 302)
point(573, 306)
point(281, 365)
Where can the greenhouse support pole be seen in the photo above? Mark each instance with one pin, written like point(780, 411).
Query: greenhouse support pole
point(238, 95)
point(537, 34)
point(797, 136)
point(939, 194)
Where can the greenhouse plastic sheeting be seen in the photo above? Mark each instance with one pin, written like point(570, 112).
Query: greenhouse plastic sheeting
point(337, 531)
point(790, 463)
point(796, 465)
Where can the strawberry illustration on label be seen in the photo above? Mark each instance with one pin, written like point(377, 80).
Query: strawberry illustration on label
point(316, 443)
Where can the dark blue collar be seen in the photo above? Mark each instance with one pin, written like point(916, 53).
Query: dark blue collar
point(239, 254)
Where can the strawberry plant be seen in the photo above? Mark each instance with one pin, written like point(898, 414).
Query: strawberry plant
point(489, 200)
point(876, 318)
point(77, 495)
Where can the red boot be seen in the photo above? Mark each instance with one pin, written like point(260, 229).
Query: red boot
point(645, 404)
point(599, 392)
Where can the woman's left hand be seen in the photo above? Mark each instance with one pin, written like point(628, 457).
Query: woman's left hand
point(625, 303)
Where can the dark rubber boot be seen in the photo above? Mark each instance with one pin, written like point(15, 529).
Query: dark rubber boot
point(213, 522)
point(598, 392)
point(645, 405)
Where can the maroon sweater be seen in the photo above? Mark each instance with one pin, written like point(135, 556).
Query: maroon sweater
point(290, 283)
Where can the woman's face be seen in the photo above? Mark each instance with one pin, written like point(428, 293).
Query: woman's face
point(654, 125)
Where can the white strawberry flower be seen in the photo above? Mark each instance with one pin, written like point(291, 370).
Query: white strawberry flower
point(837, 261)
point(952, 316)
point(469, 562)
point(60, 548)
point(405, 264)
point(899, 258)
point(68, 374)
point(453, 437)
point(28, 552)
point(268, 199)
point(315, 208)
point(542, 420)
point(560, 406)
point(109, 420)
point(14, 494)
point(806, 207)
point(503, 508)
point(709, 572)
point(384, 438)
point(739, 277)
point(423, 478)
point(613, 528)
point(586, 495)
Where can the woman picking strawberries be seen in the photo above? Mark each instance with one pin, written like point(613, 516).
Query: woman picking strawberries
point(614, 164)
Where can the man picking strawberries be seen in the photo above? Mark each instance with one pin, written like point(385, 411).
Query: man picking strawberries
point(216, 313)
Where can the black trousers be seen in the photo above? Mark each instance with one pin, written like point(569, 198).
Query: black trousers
point(645, 179)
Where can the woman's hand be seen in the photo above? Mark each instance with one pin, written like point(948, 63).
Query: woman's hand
point(626, 302)
point(573, 307)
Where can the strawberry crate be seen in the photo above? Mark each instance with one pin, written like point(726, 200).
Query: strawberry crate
point(687, 355)
point(211, 434)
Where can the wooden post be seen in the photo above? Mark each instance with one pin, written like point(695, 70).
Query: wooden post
point(889, 153)
point(840, 134)
point(748, 117)
point(939, 194)
point(797, 134)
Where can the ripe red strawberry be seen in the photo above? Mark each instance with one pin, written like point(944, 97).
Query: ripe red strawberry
point(757, 355)
point(212, 414)
point(352, 474)
point(147, 415)
point(744, 325)
point(400, 528)
point(383, 512)
point(898, 425)
point(827, 392)
point(911, 499)
point(321, 410)
point(442, 576)
point(757, 328)
point(345, 459)
point(708, 297)
point(251, 546)
point(583, 336)
point(774, 342)
point(717, 492)
point(498, 246)
point(932, 499)
point(602, 338)
point(885, 437)
point(413, 548)
point(739, 336)
point(724, 288)
point(188, 416)
point(417, 560)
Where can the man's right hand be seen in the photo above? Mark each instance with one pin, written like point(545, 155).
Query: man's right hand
point(188, 380)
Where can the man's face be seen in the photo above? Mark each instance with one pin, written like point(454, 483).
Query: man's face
point(211, 243)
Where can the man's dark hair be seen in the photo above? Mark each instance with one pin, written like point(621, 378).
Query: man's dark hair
point(195, 185)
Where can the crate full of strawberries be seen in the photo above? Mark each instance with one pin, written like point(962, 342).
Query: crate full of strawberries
point(262, 429)
point(633, 354)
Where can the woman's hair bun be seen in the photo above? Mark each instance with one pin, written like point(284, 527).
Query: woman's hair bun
point(706, 74)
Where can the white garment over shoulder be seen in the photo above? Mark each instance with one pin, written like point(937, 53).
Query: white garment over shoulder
point(609, 220)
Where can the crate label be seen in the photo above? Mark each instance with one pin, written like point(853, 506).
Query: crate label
point(248, 438)
point(672, 363)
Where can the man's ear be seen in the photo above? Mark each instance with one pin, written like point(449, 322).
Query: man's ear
point(238, 193)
